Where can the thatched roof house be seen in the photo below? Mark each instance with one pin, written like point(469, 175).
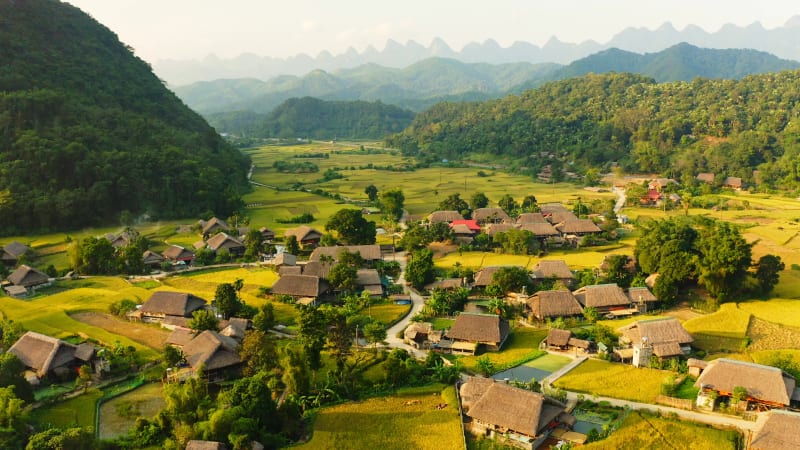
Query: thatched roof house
point(552, 268)
point(578, 227)
point(603, 297)
point(370, 281)
point(490, 215)
point(666, 336)
point(540, 230)
point(558, 303)
point(444, 216)
point(165, 303)
point(558, 217)
point(488, 329)
point(223, 241)
point(305, 235)
point(44, 354)
point(531, 218)
point(447, 284)
point(12, 251)
point(549, 208)
point(176, 253)
point(205, 445)
point(321, 269)
point(266, 234)
point(212, 350)
point(299, 286)
point(290, 270)
point(284, 259)
point(484, 276)
point(706, 177)
point(213, 225)
point(369, 253)
point(494, 228)
point(421, 335)
point(733, 183)
point(152, 259)
point(767, 385)
point(778, 432)
point(558, 338)
point(28, 277)
point(509, 410)
point(641, 295)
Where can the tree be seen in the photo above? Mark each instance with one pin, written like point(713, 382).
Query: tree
point(485, 365)
point(454, 202)
point(374, 332)
point(372, 192)
point(264, 319)
point(253, 244)
point(11, 375)
point(10, 332)
point(172, 356)
point(94, 256)
point(292, 246)
point(517, 242)
point(478, 200)
point(258, 351)
point(84, 377)
point(392, 203)
point(725, 258)
point(226, 298)
point(343, 276)
point(529, 204)
point(13, 420)
point(203, 319)
point(618, 271)
point(352, 227)
point(63, 439)
point(295, 371)
point(508, 204)
point(312, 329)
point(768, 272)
point(591, 314)
point(420, 270)
point(511, 279)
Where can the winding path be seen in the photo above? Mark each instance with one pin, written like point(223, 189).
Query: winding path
point(417, 302)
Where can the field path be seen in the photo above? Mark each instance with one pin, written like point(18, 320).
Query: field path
point(417, 302)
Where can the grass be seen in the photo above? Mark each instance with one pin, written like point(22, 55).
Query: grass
point(619, 323)
point(75, 411)
point(388, 313)
point(409, 419)
point(725, 329)
point(596, 377)
point(640, 430)
point(521, 346)
point(440, 323)
point(119, 414)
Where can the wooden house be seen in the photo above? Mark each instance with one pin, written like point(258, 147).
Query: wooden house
point(549, 208)
point(767, 387)
point(485, 216)
point(578, 227)
point(369, 280)
point(170, 308)
point(301, 286)
point(558, 339)
point(217, 354)
point(471, 330)
point(733, 183)
point(605, 298)
point(152, 259)
point(515, 416)
point(177, 254)
point(493, 228)
point(321, 269)
point(663, 338)
point(421, 335)
point(540, 230)
point(779, 431)
point(306, 236)
point(195, 444)
point(223, 241)
point(545, 305)
point(369, 253)
point(29, 278)
point(447, 284)
point(531, 218)
point(45, 356)
point(553, 269)
point(12, 252)
point(642, 298)
point(557, 217)
point(444, 216)
point(266, 234)
point(213, 226)
point(706, 177)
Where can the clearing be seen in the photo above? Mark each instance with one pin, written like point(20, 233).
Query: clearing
point(152, 336)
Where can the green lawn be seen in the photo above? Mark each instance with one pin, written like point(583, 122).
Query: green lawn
point(521, 346)
point(407, 420)
point(596, 377)
point(640, 430)
point(440, 323)
point(75, 411)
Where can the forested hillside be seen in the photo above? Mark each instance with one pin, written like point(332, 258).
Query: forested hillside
point(317, 119)
point(728, 127)
point(87, 131)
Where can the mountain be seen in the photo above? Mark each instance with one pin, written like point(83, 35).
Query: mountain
point(781, 41)
point(317, 119)
point(88, 132)
point(602, 121)
point(415, 87)
point(679, 62)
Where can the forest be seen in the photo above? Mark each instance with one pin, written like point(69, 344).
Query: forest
point(88, 132)
point(679, 129)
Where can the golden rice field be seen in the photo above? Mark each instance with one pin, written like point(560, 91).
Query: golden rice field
point(407, 420)
point(777, 310)
point(728, 321)
point(640, 430)
point(602, 378)
point(585, 258)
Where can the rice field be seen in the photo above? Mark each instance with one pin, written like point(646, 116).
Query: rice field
point(777, 310)
point(640, 430)
point(729, 321)
point(77, 411)
point(387, 313)
point(576, 259)
point(119, 414)
point(596, 377)
point(521, 346)
point(410, 419)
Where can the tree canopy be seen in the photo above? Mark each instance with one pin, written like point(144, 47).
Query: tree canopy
point(352, 227)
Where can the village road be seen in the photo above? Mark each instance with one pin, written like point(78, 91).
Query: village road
point(417, 302)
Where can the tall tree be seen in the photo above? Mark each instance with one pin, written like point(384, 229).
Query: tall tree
point(292, 246)
point(768, 272)
point(226, 298)
point(478, 200)
point(454, 202)
point(312, 329)
point(203, 319)
point(392, 203)
point(529, 204)
point(725, 258)
point(352, 227)
point(11, 375)
point(372, 192)
point(258, 351)
point(420, 270)
point(508, 204)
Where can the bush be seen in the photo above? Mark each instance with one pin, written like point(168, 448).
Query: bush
point(122, 307)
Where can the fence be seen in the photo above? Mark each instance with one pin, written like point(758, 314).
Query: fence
point(680, 403)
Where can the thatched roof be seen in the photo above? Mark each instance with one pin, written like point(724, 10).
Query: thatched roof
point(602, 295)
point(578, 226)
point(176, 252)
point(762, 382)
point(494, 228)
point(580, 343)
point(552, 268)
point(734, 182)
point(641, 294)
point(303, 233)
point(539, 229)
point(13, 250)
point(235, 328)
point(318, 269)
point(290, 270)
point(214, 224)
point(484, 276)
point(444, 216)
point(300, 286)
point(558, 337)
point(368, 277)
point(706, 177)
point(561, 217)
point(479, 328)
point(657, 332)
point(462, 230)
point(367, 252)
point(205, 445)
point(549, 208)
point(416, 329)
point(778, 432)
point(213, 350)
point(516, 409)
point(222, 241)
point(266, 233)
point(447, 283)
point(666, 349)
point(284, 259)
point(483, 215)
point(473, 389)
point(180, 304)
point(557, 303)
point(180, 337)
point(42, 353)
point(149, 258)
point(699, 363)
point(531, 218)
point(27, 276)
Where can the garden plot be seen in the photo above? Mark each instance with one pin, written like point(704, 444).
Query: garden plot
point(537, 369)
point(119, 414)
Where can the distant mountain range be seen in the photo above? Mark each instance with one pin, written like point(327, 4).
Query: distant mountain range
point(425, 83)
point(783, 42)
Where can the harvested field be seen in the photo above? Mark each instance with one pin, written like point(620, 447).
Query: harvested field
point(152, 336)
point(771, 336)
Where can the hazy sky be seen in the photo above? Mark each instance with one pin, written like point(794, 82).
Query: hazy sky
point(191, 29)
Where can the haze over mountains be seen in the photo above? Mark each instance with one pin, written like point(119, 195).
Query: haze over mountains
point(782, 42)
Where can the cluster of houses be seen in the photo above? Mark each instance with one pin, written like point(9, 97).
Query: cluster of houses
point(554, 223)
point(24, 278)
